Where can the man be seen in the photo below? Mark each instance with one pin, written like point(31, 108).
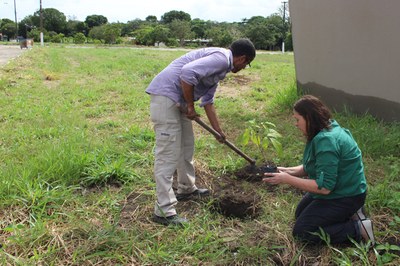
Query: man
point(173, 91)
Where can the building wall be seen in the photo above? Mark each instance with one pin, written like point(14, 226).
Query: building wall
point(347, 53)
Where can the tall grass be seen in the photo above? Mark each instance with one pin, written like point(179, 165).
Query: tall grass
point(76, 155)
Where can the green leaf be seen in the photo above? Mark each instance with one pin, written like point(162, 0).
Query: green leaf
point(265, 143)
point(255, 139)
point(269, 124)
point(278, 147)
point(387, 257)
point(274, 134)
point(245, 137)
point(394, 247)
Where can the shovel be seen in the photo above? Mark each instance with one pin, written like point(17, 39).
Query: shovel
point(229, 144)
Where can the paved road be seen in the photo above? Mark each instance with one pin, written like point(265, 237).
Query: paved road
point(8, 52)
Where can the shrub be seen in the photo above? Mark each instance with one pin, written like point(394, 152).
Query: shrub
point(79, 38)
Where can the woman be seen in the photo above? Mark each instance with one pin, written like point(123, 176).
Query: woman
point(334, 178)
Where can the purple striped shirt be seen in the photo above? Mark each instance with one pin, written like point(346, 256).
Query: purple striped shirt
point(202, 68)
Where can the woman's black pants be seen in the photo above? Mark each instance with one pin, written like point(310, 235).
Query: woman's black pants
point(333, 216)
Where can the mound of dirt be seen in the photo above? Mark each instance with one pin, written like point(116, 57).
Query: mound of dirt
point(253, 173)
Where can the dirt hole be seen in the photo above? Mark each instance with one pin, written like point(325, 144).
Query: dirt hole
point(235, 197)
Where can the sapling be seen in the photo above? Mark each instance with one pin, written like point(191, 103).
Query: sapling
point(262, 135)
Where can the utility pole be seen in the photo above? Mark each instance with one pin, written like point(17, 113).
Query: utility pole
point(41, 24)
point(283, 26)
point(16, 21)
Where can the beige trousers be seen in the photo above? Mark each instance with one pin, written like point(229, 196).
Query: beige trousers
point(173, 152)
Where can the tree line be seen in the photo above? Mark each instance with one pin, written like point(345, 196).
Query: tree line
point(174, 28)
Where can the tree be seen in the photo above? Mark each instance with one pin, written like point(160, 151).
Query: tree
point(25, 26)
point(112, 32)
point(144, 35)
point(199, 27)
point(79, 38)
point(103, 31)
point(235, 30)
point(4, 21)
point(160, 34)
point(57, 38)
point(181, 30)
point(97, 33)
point(151, 19)
point(289, 41)
point(219, 36)
point(75, 26)
point(95, 20)
point(35, 35)
point(170, 16)
point(53, 20)
point(261, 32)
point(131, 26)
point(8, 28)
point(276, 28)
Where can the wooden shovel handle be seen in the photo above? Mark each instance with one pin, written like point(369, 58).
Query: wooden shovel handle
point(227, 142)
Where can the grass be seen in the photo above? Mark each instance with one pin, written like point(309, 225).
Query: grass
point(76, 155)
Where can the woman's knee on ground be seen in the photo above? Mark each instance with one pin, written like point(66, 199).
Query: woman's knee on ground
point(305, 233)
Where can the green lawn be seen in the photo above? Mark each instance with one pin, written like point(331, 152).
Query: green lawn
point(76, 155)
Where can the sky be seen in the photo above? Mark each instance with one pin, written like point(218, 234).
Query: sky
point(126, 10)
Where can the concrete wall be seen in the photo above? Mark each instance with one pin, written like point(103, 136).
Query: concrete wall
point(347, 53)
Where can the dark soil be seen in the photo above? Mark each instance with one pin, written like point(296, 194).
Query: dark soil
point(233, 194)
point(253, 173)
point(234, 197)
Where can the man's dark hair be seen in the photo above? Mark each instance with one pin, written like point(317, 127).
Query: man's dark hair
point(243, 47)
point(316, 114)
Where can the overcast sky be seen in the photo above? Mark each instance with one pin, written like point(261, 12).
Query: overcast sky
point(125, 10)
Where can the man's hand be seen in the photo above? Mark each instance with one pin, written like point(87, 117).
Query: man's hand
point(222, 137)
point(188, 95)
point(191, 112)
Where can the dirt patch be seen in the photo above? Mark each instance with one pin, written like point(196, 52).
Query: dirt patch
point(236, 79)
point(235, 195)
point(232, 198)
point(253, 173)
point(136, 209)
point(232, 195)
point(233, 85)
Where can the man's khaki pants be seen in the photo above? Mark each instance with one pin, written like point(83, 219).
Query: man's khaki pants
point(174, 151)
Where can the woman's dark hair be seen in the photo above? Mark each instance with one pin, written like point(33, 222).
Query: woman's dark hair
point(316, 114)
point(243, 47)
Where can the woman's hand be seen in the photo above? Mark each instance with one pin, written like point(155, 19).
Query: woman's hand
point(308, 185)
point(276, 178)
point(289, 170)
point(297, 171)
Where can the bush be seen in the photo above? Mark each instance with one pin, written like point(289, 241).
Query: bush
point(79, 38)
point(172, 42)
point(57, 38)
